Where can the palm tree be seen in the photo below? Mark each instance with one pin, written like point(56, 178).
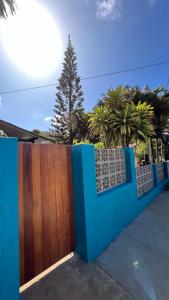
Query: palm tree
point(122, 123)
point(132, 123)
point(159, 99)
point(6, 7)
point(143, 118)
point(115, 97)
point(99, 125)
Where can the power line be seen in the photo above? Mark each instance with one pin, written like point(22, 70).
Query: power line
point(90, 77)
point(128, 70)
point(27, 89)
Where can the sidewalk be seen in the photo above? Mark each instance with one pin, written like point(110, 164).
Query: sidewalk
point(139, 258)
point(75, 280)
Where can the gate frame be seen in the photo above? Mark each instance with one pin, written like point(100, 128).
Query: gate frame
point(9, 225)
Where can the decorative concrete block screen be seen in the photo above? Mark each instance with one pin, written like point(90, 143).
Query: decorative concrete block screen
point(160, 172)
point(145, 182)
point(110, 168)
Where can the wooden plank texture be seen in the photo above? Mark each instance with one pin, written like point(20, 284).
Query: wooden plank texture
point(45, 206)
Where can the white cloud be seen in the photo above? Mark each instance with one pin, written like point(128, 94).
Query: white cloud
point(47, 119)
point(0, 101)
point(108, 9)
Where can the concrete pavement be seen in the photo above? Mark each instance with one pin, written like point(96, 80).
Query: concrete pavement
point(75, 280)
point(139, 258)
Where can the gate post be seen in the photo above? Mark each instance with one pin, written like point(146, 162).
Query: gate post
point(9, 232)
point(85, 198)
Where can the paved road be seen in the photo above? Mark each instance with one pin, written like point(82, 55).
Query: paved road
point(135, 266)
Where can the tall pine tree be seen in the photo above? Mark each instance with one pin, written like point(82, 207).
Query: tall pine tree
point(69, 99)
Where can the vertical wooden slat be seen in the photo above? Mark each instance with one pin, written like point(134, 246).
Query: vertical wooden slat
point(53, 190)
point(37, 226)
point(21, 213)
point(28, 215)
point(45, 201)
point(70, 198)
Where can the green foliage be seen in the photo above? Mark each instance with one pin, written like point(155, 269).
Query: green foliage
point(141, 150)
point(143, 120)
point(159, 99)
point(121, 122)
point(132, 122)
point(99, 145)
point(99, 125)
point(115, 97)
point(123, 116)
point(36, 131)
point(80, 125)
point(69, 100)
point(76, 142)
point(6, 5)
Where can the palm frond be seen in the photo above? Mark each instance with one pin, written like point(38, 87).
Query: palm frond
point(7, 7)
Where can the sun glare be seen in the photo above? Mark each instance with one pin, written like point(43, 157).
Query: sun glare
point(31, 39)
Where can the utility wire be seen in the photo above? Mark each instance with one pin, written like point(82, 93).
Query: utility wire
point(128, 70)
point(27, 89)
point(90, 77)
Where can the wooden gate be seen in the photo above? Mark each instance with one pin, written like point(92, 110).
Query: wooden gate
point(45, 206)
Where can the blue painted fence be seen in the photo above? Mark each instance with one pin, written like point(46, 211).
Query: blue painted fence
point(9, 232)
point(100, 217)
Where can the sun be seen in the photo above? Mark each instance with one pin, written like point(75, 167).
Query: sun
point(32, 39)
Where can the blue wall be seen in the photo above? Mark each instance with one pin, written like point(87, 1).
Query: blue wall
point(100, 218)
point(9, 237)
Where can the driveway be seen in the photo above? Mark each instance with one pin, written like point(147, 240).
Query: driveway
point(135, 266)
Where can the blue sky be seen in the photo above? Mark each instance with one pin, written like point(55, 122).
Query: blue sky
point(108, 36)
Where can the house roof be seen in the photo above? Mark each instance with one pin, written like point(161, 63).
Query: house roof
point(22, 134)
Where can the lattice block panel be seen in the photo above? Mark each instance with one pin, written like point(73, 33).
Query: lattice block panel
point(110, 168)
point(144, 177)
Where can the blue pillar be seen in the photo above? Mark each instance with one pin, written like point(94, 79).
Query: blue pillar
point(155, 175)
point(130, 166)
point(165, 166)
point(85, 196)
point(9, 233)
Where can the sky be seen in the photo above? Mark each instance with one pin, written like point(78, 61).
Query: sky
point(108, 36)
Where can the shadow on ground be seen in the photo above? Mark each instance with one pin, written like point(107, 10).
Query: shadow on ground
point(75, 280)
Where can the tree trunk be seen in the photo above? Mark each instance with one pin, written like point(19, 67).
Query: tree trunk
point(149, 152)
point(157, 149)
point(152, 150)
point(162, 151)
